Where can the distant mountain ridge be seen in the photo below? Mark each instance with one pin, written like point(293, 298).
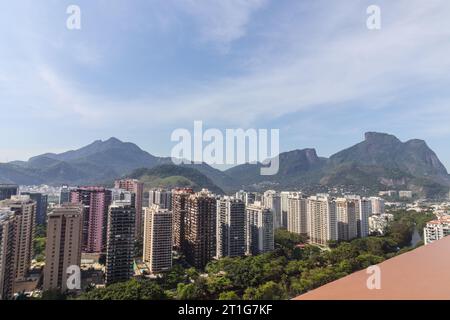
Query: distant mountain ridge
point(379, 162)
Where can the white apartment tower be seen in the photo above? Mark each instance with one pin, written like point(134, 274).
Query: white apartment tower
point(346, 214)
point(260, 231)
point(297, 214)
point(272, 201)
point(230, 236)
point(322, 220)
point(364, 212)
point(377, 205)
point(436, 230)
point(158, 239)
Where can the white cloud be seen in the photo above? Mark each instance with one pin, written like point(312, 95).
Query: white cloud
point(221, 21)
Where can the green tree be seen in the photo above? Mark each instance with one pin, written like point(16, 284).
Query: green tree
point(189, 292)
point(229, 295)
point(270, 291)
point(129, 290)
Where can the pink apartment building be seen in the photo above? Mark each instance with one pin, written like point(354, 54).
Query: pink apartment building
point(96, 201)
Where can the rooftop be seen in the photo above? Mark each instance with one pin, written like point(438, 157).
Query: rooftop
point(421, 274)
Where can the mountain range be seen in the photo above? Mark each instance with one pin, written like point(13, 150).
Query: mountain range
point(379, 162)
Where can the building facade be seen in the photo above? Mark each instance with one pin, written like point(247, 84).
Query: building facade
point(378, 205)
point(347, 219)
point(25, 210)
point(8, 236)
point(120, 242)
point(136, 187)
point(379, 222)
point(161, 197)
point(63, 246)
point(41, 206)
point(259, 229)
point(200, 229)
point(272, 201)
point(436, 230)
point(179, 208)
point(322, 220)
point(8, 190)
point(297, 214)
point(230, 234)
point(96, 201)
point(158, 239)
point(64, 195)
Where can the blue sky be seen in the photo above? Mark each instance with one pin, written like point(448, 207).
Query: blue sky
point(139, 69)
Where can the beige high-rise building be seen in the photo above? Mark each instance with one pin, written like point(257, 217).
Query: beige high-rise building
point(297, 214)
point(63, 247)
point(158, 239)
point(322, 220)
point(378, 205)
point(284, 199)
point(272, 201)
point(7, 253)
point(363, 212)
point(259, 229)
point(347, 220)
point(25, 211)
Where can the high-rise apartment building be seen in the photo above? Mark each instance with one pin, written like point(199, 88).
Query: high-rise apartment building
point(8, 236)
point(346, 214)
point(25, 210)
point(231, 219)
point(248, 197)
point(297, 214)
point(158, 239)
point(322, 220)
point(8, 190)
point(120, 242)
point(161, 197)
point(378, 223)
point(96, 201)
point(378, 205)
point(436, 230)
point(122, 195)
point(284, 202)
point(364, 212)
point(200, 229)
point(179, 209)
point(272, 201)
point(41, 206)
point(137, 188)
point(259, 229)
point(63, 246)
point(64, 195)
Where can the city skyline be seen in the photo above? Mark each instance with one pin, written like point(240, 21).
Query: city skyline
point(301, 67)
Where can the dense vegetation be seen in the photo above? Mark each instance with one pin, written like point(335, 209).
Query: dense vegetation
point(292, 269)
point(39, 243)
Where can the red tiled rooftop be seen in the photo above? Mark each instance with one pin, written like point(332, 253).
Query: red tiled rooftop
point(421, 274)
